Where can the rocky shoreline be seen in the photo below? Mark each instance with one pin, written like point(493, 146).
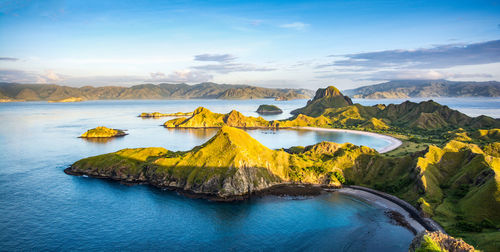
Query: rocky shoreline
point(281, 189)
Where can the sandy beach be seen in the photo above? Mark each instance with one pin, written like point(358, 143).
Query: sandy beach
point(394, 142)
point(384, 204)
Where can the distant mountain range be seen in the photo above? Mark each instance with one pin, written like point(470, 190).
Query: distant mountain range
point(426, 88)
point(207, 90)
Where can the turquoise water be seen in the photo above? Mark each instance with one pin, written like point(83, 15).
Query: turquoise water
point(41, 208)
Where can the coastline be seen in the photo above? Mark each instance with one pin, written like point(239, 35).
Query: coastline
point(387, 201)
point(394, 142)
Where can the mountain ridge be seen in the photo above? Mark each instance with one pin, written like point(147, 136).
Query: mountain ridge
point(205, 90)
point(426, 88)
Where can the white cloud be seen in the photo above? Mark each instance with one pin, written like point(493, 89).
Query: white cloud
point(49, 77)
point(214, 57)
point(404, 75)
point(188, 76)
point(299, 26)
point(10, 75)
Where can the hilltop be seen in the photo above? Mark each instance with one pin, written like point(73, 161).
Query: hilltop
point(206, 90)
point(329, 97)
point(426, 88)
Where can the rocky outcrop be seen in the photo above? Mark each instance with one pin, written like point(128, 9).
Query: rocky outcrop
point(102, 131)
point(437, 241)
point(269, 110)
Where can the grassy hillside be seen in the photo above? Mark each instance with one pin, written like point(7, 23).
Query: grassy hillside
point(207, 90)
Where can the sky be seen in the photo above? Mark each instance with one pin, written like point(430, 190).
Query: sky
point(296, 44)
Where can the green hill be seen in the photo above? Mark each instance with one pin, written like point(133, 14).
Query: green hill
point(329, 97)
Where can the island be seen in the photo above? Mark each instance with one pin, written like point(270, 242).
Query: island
point(102, 132)
point(269, 110)
point(158, 114)
point(446, 170)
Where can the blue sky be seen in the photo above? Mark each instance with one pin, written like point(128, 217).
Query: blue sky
point(305, 44)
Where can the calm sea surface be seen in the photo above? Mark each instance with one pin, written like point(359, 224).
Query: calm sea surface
point(41, 208)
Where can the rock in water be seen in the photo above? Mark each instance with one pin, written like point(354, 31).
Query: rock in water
point(269, 109)
point(102, 131)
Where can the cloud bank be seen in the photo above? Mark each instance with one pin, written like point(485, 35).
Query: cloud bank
point(299, 26)
point(184, 76)
point(438, 62)
point(214, 57)
point(443, 56)
point(8, 59)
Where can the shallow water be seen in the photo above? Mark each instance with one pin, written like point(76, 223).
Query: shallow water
point(41, 208)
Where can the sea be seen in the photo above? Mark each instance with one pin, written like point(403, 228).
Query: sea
point(43, 209)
